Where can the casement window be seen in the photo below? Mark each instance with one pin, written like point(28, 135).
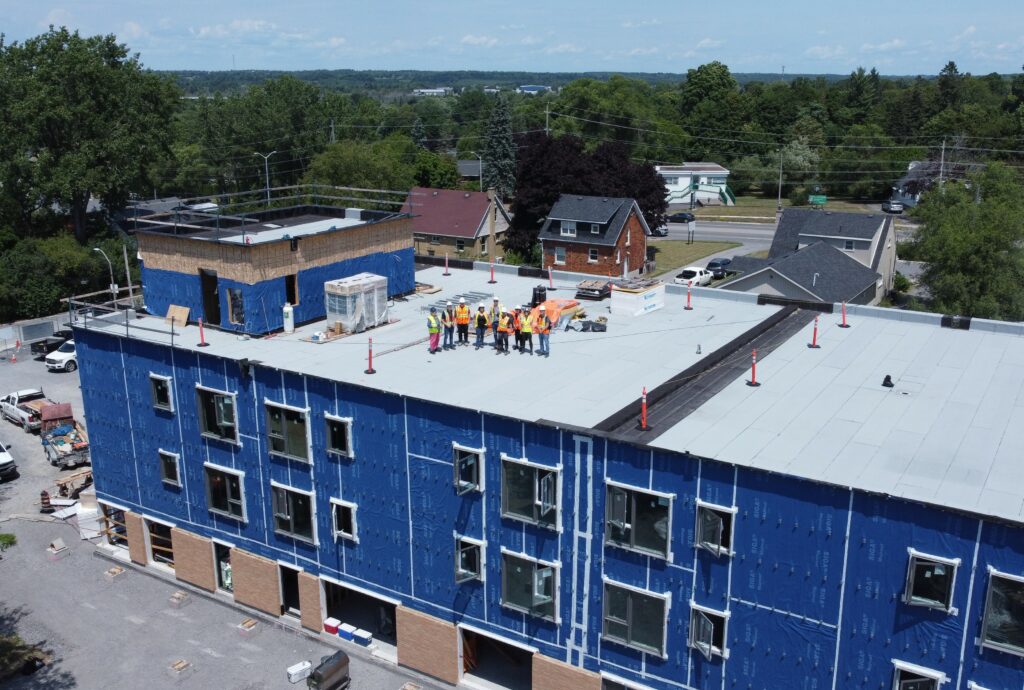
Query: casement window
point(907, 676)
point(568, 228)
point(560, 256)
point(707, 631)
point(469, 559)
point(224, 491)
point(293, 512)
point(217, 414)
point(162, 393)
point(714, 528)
point(930, 581)
point(460, 245)
point(592, 256)
point(339, 436)
point(529, 492)
point(1003, 625)
point(169, 469)
point(635, 618)
point(529, 586)
point(287, 431)
point(468, 463)
point(344, 514)
point(638, 519)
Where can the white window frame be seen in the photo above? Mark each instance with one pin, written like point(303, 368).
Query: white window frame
point(698, 543)
point(593, 255)
point(234, 407)
point(666, 597)
point(460, 245)
point(848, 245)
point(916, 556)
point(595, 229)
point(971, 685)
point(312, 513)
point(930, 674)
point(537, 498)
point(713, 651)
point(567, 228)
point(993, 573)
point(241, 490)
point(267, 402)
point(177, 467)
point(609, 483)
point(347, 421)
point(170, 392)
point(556, 569)
point(618, 257)
point(480, 453)
point(338, 533)
point(560, 262)
point(435, 239)
point(480, 544)
point(629, 235)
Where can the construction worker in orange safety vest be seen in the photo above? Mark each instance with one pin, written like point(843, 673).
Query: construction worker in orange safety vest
point(504, 328)
point(525, 329)
point(448, 323)
point(543, 327)
point(433, 330)
point(462, 321)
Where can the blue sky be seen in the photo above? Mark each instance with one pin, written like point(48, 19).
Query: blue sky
point(908, 37)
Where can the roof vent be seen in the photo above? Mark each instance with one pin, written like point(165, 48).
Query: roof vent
point(435, 192)
point(467, 195)
point(887, 381)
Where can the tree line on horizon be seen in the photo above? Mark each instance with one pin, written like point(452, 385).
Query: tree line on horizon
point(82, 120)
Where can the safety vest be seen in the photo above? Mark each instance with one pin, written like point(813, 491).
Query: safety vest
point(462, 314)
point(505, 324)
point(481, 320)
point(494, 313)
point(447, 319)
point(517, 321)
point(543, 325)
point(526, 322)
point(432, 325)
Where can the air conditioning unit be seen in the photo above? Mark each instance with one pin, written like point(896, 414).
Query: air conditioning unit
point(359, 302)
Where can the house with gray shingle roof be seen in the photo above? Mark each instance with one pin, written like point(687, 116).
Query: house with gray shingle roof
point(605, 236)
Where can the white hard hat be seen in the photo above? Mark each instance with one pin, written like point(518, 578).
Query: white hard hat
point(495, 298)
point(543, 308)
point(462, 300)
point(480, 306)
point(449, 304)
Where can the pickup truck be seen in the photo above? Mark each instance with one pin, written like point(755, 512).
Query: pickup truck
point(65, 441)
point(25, 408)
point(41, 348)
point(8, 468)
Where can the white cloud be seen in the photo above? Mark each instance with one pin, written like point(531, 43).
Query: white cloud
point(58, 16)
point(964, 35)
point(642, 51)
point(512, 27)
point(825, 52)
point(529, 40)
point(485, 41)
point(238, 27)
point(887, 46)
point(641, 24)
point(563, 48)
point(131, 31)
point(336, 41)
point(708, 43)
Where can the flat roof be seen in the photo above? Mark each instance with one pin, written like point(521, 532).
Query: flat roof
point(273, 230)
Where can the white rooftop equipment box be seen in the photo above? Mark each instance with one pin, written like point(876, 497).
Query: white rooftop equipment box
point(359, 302)
point(637, 301)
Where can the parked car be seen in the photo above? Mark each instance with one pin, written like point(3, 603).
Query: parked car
point(25, 408)
point(891, 206)
point(682, 217)
point(63, 358)
point(660, 232)
point(8, 468)
point(719, 268)
point(694, 275)
point(41, 348)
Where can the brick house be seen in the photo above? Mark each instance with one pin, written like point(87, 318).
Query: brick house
point(603, 236)
point(454, 222)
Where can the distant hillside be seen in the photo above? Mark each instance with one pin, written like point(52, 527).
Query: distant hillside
point(196, 83)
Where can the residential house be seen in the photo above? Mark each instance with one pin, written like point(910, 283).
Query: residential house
point(602, 236)
point(706, 184)
point(824, 256)
point(455, 222)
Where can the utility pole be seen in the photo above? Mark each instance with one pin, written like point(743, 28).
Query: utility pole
point(942, 163)
point(332, 130)
point(547, 115)
point(778, 208)
point(128, 276)
point(266, 170)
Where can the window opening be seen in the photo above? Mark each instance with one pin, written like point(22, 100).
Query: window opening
point(291, 289)
point(217, 414)
point(467, 469)
point(160, 388)
point(114, 526)
point(1003, 625)
point(161, 549)
point(293, 513)
point(528, 586)
point(286, 429)
point(169, 468)
point(714, 529)
point(707, 632)
point(236, 306)
point(530, 493)
point(468, 560)
point(930, 581)
point(637, 520)
point(339, 436)
point(634, 618)
point(344, 519)
point(222, 557)
point(224, 493)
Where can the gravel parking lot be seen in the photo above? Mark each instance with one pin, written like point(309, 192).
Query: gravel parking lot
point(125, 633)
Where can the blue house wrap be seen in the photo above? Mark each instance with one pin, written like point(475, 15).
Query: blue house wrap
point(811, 589)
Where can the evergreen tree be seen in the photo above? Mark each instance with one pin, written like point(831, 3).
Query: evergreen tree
point(419, 134)
point(500, 155)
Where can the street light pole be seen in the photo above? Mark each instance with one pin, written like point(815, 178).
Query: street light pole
point(266, 170)
point(778, 208)
point(481, 171)
point(113, 285)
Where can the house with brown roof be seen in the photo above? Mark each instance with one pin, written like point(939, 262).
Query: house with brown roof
point(455, 222)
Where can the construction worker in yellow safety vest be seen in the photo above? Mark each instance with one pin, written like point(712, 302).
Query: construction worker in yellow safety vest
point(494, 314)
point(504, 328)
point(462, 321)
point(481, 321)
point(543, 327)
point(525, 329)
point(433, 330)
point(448, 323)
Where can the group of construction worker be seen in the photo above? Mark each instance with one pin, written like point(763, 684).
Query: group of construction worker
point(521, 322)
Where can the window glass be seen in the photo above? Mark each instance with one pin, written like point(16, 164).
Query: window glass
point(559, 255)
point(707, 632)
point(714, 529)
point(338, 436)
point(593, 255)
point(161, 390)
point(293, 513)
point(344, 521)
point(217, 414)
point(529, 586)
point(224, 492)
point(930, 583)
point(286, 430)
point(530, 493)
point(637, 519)
point(169, 468)
point(518, 489)
point(1004, 615)
point(634, 618)
point(467, 470)
point(468, 560)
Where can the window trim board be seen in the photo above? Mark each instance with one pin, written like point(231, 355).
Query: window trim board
point(244, 518)
point(334, 522)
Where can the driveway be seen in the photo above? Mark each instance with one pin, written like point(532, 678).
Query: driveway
point(753, 237)
point(125, 633)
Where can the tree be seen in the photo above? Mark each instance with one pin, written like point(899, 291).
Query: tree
point(951, 85)
point(419, 134)
point(499, 157)
point(709, 82)
point(81, 118)
point(389, 164)
point(972, 242)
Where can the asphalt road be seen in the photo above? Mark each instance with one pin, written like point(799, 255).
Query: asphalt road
point(752, 237)
point(125, 634)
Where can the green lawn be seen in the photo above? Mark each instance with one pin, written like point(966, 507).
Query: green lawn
point(758, 206)
point(673, 254)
